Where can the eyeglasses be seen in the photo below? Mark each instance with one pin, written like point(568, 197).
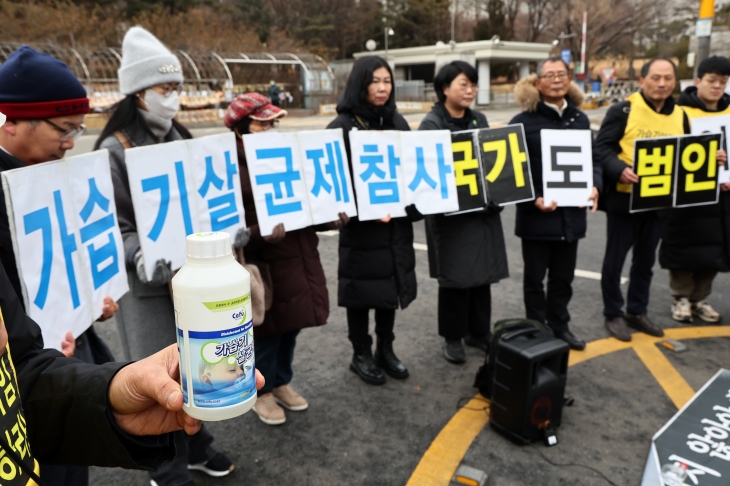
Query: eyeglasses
point(552, 76)
point(67, 133)
point(266, 125)
point(167, 89)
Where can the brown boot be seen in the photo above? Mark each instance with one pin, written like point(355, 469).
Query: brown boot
point(618, 328)
point(644, 324)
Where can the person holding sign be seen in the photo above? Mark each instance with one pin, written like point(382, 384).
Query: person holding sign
point(649, 113)
point(377, 260)
point(289, 260)
point(549, 232)
point(466, 252)
point(35, 134)
point(150, 77)
point(696, 241)
point(63, 411)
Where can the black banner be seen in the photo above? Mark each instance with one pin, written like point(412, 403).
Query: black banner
point(698, 436)
point(654, 163)
point(675, 172)
point(467, 172)
point(697, 170)
point(506, 165)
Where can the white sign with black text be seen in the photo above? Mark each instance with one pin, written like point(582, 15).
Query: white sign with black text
point(714, 124)
point(567, 167)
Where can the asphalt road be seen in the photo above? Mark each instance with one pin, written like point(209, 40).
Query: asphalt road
point(357, 434)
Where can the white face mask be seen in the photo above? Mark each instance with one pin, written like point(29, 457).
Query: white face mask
point(2, 119)
point(160, 105)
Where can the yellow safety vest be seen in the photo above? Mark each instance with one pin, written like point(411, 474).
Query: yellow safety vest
point(693, 112)
point(645, 122)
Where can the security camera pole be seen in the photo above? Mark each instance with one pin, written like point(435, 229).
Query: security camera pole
point(703, 30)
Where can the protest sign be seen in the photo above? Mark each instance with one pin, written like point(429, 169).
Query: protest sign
point(180, 188)
point(275, 170)
point(567, 167)
point(697, 170)
point(698, 436)
point(506, 165)
point(715, 124)
point(675, 171)
point(377, 173)
point(468, 172)
point(67, 242)
point(326, 175)
point(428, 168)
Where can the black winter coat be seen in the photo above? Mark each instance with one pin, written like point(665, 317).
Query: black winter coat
point(565, 223)
point(377, 266)
point(89, 346)
point(464, 250)
point(698, 238)
point(607, 147)
point(66, 402)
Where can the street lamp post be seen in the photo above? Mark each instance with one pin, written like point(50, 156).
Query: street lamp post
point(387, 31)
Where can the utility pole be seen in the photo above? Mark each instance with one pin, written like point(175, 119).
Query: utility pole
point(583, 66)
point(703, 31)
point(452, 42)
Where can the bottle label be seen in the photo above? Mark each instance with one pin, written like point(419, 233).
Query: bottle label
point(218, 365)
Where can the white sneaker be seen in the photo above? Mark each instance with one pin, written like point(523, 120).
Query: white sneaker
point(704, 311)
point(681, 310)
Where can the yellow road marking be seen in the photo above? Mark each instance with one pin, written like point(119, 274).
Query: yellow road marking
point(439, 463)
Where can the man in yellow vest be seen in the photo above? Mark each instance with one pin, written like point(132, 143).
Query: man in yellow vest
point(696, 242)
point(648, 113)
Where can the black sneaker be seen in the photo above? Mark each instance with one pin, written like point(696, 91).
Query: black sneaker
point(217, 467)
point(478, 342)
point(454, 351)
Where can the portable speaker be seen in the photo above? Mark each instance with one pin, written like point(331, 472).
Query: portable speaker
point(528, 386)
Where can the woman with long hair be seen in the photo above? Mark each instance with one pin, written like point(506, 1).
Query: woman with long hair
point(151, 78)
point(377, 260)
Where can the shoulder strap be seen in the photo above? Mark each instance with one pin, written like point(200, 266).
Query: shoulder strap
point(123, 139)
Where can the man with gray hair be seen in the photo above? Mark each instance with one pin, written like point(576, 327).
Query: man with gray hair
point(550, 233)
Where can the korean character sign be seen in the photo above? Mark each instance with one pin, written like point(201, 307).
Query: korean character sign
point(506, 165)
point(697, 170)
point(277, 181)
point(675, 172)
point(428, 168)
point(213, 163)
point(67, 241)
point(326, 175)
point(161, 189)
point(377, 171)
point(567, 167)
point(654, 163)
point(468, 173)
point(715, 124)
point(184, 187)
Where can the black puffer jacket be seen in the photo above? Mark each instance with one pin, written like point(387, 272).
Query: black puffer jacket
point(464, 250)
point(377, 267)
point(564, 224)
point(698, 238)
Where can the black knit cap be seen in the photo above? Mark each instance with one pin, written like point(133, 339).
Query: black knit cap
point(35, 85)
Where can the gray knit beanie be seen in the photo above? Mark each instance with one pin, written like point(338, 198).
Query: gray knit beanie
point(146, 62)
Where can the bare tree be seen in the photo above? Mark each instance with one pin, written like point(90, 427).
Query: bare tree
point(539, 17)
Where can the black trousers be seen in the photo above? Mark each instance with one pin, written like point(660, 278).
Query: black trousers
point(464, 312)
point(358, 323)
point(641, 232)
point(191, 449)
point(557, 259)
point(274, 356)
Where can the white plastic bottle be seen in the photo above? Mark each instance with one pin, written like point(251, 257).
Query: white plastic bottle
point(212, 296)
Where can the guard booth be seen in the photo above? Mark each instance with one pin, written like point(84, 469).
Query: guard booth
point(416, 65)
